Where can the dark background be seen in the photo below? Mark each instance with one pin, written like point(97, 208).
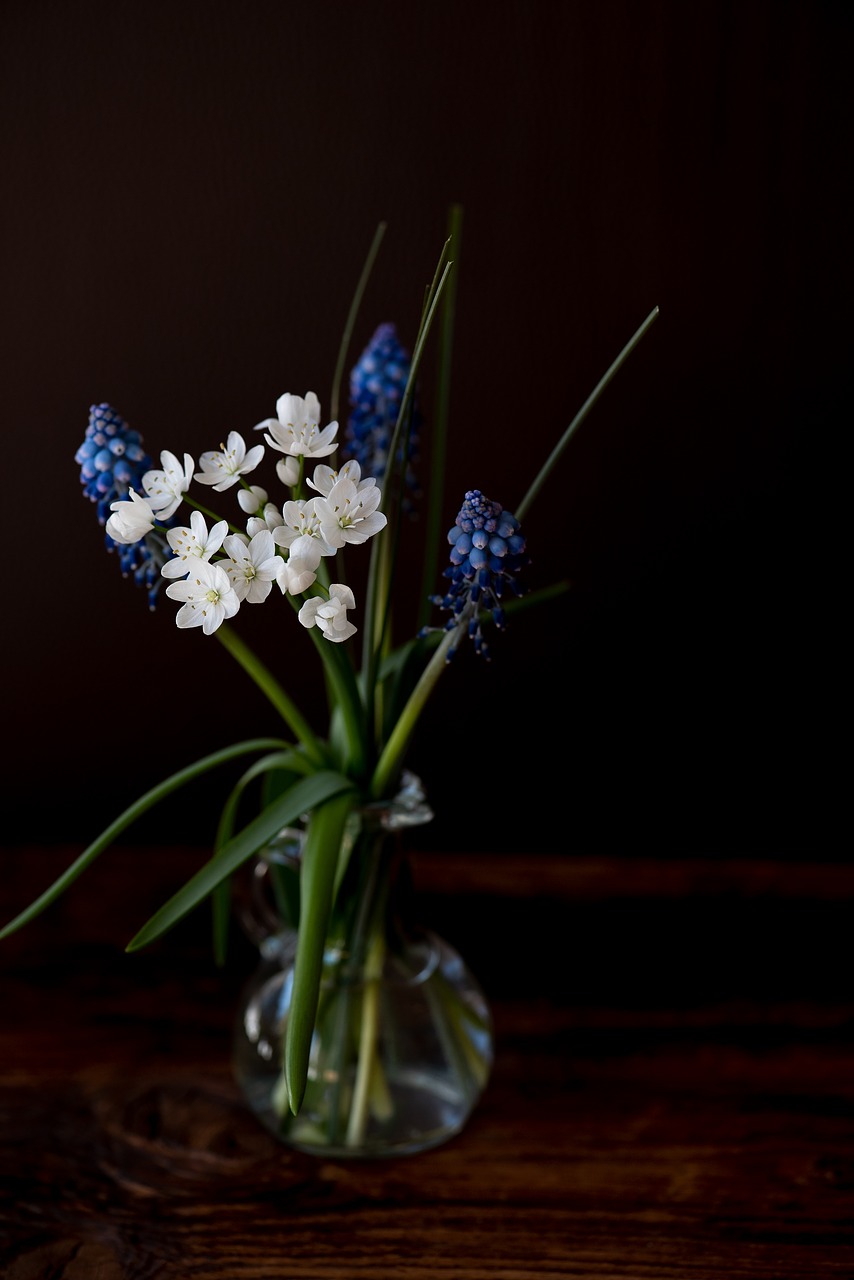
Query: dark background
point(189, 193)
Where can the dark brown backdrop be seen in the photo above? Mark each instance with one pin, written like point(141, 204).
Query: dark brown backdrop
point(189, 192)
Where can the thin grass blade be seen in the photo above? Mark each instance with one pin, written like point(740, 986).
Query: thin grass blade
point(130, 815)
point(302, 798)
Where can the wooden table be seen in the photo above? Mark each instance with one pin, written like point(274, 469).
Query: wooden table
point(673, 1095)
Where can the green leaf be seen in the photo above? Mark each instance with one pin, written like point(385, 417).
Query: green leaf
point(129, 816)
point(351, 320)
point(338, 669)
point(439, 428)
point(287, 762)
point(400, 672)
point(302, 798)
point(392, 755)
point(541, 477)
point(317, 881)
point(385, 550)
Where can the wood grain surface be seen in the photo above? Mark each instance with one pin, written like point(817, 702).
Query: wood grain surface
point(672, 1099)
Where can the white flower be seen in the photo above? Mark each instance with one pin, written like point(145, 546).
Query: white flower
point(298, 572)
point(330, 615)
point(349, 514)
point(192, 543)
point(296, 428)
point(270, 518)
point(301, 520)
point(208, 596)
point(165, 489)
point(287, 469)
point(299, 533)
point(249, 500)
point(295, 575)
point(325, 477)
point(224, 466)
point(131, 520)
point(251, 569)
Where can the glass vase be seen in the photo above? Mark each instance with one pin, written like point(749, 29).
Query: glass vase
point(402, 1044)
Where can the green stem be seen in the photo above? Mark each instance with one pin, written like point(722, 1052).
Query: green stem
point(392, 755)
point(523, 506)
point(439, 433)
point(370, 641)
point(351, 321)
point(212, 515)
point(270, 687)
point(342, 680)
point(458, 1025)
point(414, 366)
point(371, 636)
point(370, 864)
point(368, 1033)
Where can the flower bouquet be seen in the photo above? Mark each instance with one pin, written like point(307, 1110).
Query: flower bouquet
point(359, 1034)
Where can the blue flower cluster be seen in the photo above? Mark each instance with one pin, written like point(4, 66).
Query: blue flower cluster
point(377, 382)
point(487, 553)
point(112, 461)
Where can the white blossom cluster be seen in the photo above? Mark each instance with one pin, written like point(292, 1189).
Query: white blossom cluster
point(213, 571)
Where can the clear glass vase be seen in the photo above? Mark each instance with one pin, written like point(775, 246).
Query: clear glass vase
point(402, 1044)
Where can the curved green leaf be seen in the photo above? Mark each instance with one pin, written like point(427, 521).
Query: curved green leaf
point(351, 320)
point(283, 761)
point(317, 880)
point(538, 482)
point(301, 798)
point(129, 816)
point(439, 429)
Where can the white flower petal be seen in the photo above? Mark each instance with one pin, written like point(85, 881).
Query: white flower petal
point(341, 592)
point(252, 499)
point(287, 469)
point(165, 489)
point(308, 613)
point(208, 596)
point(131, 520)
point(295, 430)
point(223, 467)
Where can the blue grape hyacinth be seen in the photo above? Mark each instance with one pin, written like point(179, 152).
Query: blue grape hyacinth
point(377, 383)
point(487, 554)
point(112, 461)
